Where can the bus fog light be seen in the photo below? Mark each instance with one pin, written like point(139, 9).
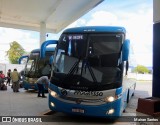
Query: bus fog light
point(52, 104)
point(109, 112)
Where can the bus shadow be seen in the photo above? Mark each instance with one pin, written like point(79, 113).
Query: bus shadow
point(32, 91)
point(62, 117)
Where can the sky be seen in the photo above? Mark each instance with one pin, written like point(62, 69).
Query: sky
point(135, 15)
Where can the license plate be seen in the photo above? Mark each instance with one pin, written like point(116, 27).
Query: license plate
point(78, 110)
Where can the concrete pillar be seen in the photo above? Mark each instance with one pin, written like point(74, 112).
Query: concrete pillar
point(42, 32)
point(156, 49)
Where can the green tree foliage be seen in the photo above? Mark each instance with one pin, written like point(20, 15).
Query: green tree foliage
point(15, 52)
point(141, 69)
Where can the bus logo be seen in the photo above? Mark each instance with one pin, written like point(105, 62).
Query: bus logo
point(78, 101)
point(88, 93)
point(64, 92)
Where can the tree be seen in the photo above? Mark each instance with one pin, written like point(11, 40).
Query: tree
point(15, 52)
point(141, 69)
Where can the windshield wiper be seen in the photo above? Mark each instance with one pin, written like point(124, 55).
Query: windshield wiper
point(86, 64)
point(32, 65)
point(74, 67)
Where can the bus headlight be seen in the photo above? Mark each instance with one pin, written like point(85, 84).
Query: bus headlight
point(110, 99)
point(53, 93)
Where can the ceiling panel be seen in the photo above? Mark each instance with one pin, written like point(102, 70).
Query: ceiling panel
point(29, 14)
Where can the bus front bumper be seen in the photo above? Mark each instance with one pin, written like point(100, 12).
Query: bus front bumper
point(103, 110)
point(28, 85)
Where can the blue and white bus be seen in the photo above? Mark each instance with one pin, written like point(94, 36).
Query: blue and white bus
point(38, 64)
point(89, 75)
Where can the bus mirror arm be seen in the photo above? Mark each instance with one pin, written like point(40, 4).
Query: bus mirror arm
point(44, 45)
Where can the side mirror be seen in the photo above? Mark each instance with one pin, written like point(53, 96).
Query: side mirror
point(125, 50)
point(22, 57)
point(44, 45)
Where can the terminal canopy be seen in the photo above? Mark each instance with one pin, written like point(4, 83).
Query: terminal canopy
point(31, 14)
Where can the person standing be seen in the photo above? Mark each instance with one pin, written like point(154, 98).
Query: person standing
point(40, 83)
point(15, 80)
point(8, 77)
point(2, 78)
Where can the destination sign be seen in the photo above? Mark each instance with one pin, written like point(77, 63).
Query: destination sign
point(76, 37)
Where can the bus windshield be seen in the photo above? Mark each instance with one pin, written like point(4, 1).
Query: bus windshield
point(88, 59)
point(36, 66)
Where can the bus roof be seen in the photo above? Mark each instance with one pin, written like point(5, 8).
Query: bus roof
point(49, 49)
point(92, 29)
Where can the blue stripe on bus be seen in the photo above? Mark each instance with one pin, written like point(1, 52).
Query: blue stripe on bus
point(118, 91)
point(98, 29)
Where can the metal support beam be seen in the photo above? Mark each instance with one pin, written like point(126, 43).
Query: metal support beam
point(156, 61)
point(42, 32)
point(156, 50)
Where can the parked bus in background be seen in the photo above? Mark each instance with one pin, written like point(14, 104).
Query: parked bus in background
point(89, 75)
point(38, 64)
